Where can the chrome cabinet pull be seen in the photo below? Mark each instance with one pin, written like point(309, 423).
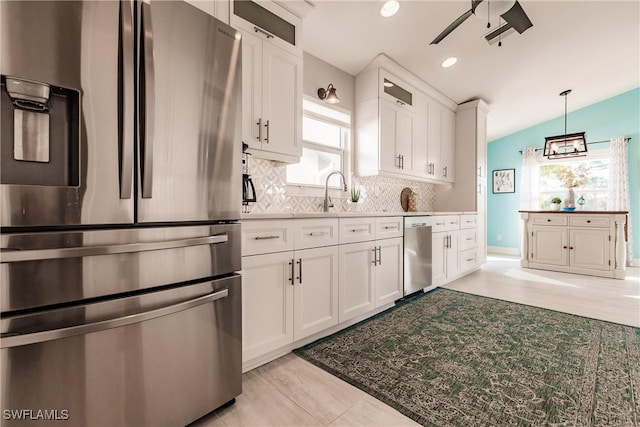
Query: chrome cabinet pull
point(390, 227)
point(469, 259)
point(469, 238)
point(319, 233)
point(357, 230)
point(260, 30)
point(375, 256)
point(399, 164)
point(444, 171)
point(266, 237)
point(402, 161)
point(379, 255)
point(259, 129)
point(39, 254)
point(38, 337)
point(268, 127)
point(300, 270)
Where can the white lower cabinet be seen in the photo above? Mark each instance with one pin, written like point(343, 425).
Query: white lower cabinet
point(288, 296)
point(445, 256)
point(370, 276)
point(267, 303)
point(315, 293)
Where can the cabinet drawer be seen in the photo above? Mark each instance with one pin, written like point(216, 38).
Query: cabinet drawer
point(468, 239)
point(446, 223)
point(356, 230)
point(468, 221)
point(314, 233)
point(262, 237)
point(551, 219)
point(589, 221)
point(468, 259)
point(387, 227)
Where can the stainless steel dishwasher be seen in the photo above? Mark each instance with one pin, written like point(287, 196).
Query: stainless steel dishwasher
point(417, 254)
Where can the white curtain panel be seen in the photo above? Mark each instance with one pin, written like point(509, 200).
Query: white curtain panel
point(618, 199)
point(529, 179)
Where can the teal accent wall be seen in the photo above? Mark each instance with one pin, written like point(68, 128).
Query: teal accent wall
point(616, 116)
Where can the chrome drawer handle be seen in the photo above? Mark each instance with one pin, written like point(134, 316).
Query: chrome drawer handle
point(469, 238)
point(357, 230)
point(469, 259)
point(390, 227)
point(266, 237)
point(319, 233)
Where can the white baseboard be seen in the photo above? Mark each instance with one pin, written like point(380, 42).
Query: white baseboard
point(501, 250)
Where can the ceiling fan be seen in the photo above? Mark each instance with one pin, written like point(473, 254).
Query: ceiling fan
point(513, 15)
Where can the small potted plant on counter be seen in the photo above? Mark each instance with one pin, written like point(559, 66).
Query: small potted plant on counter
point(355, 197)
point(555, 203)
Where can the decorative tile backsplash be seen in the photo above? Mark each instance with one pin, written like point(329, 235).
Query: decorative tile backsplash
point(377, 194)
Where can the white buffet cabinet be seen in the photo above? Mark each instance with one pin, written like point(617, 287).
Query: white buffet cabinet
point(591, 243)
point(305, 278)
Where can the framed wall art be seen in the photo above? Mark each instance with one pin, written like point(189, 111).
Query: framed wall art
point(504, 181)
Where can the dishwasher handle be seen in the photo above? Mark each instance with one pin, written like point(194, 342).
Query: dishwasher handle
point(11, 340)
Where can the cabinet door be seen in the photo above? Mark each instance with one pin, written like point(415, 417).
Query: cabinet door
point(404, 139)
point(589, 249)
point(447, 145)
point(420, 150)
point(281, 101)
point(357, 279)
point(388, 157)
point(548, 245)
point(439, 260)
point(267, 303)
point(435, 126)
point(453, 255)
point(389, 271)
point(315, 299)
point(251, 89)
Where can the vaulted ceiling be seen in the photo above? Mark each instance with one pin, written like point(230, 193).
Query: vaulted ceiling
point(591, 47)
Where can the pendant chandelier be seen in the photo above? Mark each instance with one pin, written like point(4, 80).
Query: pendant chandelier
point(567, 145)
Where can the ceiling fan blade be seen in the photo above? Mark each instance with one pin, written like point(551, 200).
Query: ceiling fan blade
point(452, 27)
point(517, 18)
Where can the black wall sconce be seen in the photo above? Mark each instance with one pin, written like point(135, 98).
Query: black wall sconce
point(328, 95)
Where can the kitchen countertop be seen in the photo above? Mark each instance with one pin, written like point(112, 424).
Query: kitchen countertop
point(578, 212)
point(292, 215)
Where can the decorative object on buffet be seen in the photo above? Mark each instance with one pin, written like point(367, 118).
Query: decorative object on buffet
point(567, 145)
point(581, 201)
point(504, 181)
point(555, 203)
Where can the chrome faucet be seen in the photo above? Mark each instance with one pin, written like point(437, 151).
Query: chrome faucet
point(327, 201)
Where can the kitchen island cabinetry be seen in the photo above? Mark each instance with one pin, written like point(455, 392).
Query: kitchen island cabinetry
point(588, 242)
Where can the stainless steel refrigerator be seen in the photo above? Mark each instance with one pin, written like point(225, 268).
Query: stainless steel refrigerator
point(120, 198)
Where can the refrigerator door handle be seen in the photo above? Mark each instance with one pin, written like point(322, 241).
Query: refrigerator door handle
point(16, 255)
point(126, 100)
point(147, 96)
point(10, 340)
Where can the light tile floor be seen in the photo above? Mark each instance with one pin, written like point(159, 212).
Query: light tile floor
point(291, 392)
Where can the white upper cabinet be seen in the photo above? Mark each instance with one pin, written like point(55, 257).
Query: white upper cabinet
point(218, 9)
point(404, 128)
point(271, 81)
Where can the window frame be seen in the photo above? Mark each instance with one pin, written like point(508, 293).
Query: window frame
point(599, 154)
point(314, 190)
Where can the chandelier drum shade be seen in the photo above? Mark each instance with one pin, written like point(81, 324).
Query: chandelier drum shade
point(566, 145)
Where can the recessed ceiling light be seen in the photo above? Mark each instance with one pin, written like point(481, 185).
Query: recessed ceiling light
point(449, 62)
point(389, 8)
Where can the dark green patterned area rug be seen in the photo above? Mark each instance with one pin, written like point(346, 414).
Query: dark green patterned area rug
point(454, 359)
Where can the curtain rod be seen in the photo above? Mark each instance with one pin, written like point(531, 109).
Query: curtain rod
point(590, 143)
